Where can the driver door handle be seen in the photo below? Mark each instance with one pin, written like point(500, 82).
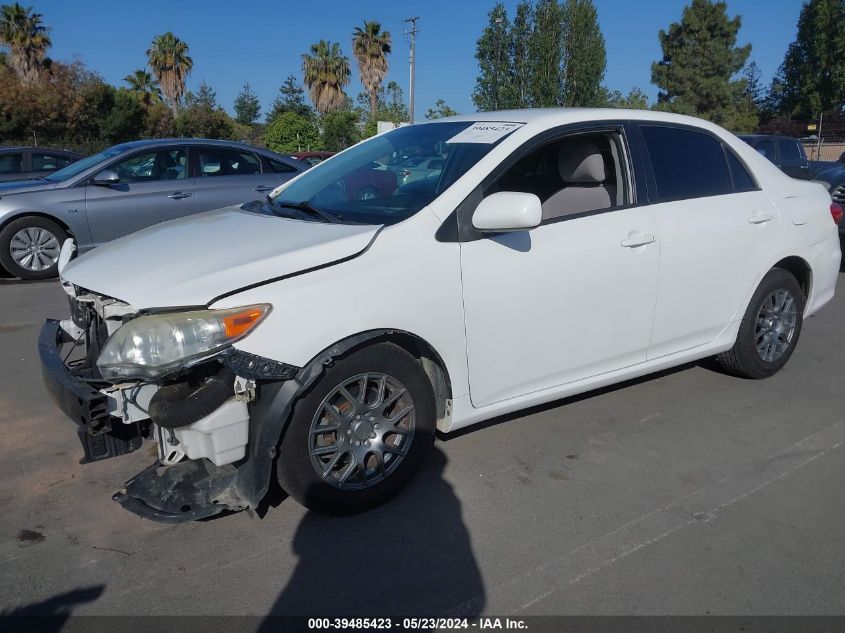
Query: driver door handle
point(263, 188)
point(178, 195)
point(637, 239)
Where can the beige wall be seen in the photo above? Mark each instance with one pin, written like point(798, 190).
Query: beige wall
point(830, 151)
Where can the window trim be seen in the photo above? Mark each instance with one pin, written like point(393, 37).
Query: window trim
point(648, 165)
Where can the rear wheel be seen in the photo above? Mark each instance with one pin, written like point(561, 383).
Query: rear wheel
point(769, 330)
point(360, 434)
point(30, 247)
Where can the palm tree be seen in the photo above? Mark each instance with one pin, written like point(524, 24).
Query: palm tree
point(143, 83)
point(168, 59)
point(326, 72)
point(27, 39)
point(371, 46)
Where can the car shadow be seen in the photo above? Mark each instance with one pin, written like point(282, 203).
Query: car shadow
point(411, 556)
point(48, 616)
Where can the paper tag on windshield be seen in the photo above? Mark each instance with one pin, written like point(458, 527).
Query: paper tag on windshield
point(485, 132)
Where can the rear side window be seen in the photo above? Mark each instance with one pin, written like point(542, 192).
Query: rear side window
point(11, 163)
point(687, 164)
point(214, 161)
point(281, 168)
point(47, 162)
point(789, 150)
point(767, 148)
point(742, 179)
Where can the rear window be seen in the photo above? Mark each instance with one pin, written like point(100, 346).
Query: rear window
point(686, 163)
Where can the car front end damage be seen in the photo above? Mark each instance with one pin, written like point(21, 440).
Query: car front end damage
point(215, 413)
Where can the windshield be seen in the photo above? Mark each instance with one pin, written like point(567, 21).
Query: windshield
point(86, 163)
point(382, 180)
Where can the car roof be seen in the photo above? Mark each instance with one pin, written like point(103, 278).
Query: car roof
point(31, 148)
point(775, 137)
point(157, 142)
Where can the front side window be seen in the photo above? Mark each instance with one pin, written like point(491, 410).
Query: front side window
point(11, 163)
point(390, 177)
point(47, 162)
point(686, 163)
point(766, 147)
point(571, 175)
point(218, 161)
point(153, 166)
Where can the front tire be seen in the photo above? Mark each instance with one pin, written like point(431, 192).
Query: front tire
point(769, 329)
point(30, 247)
point(360, 434)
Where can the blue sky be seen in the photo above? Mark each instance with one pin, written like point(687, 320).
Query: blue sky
point(262, 41)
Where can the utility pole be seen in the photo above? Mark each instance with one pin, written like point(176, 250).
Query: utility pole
point(412, 32)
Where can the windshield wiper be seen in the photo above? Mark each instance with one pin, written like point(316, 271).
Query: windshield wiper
point(306, 208)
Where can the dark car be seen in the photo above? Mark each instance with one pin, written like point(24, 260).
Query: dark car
point(126, 188)
point(834, 179)
point(785, 152)
point(22, 163)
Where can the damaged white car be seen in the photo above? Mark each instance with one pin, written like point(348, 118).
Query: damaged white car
point(325, 336)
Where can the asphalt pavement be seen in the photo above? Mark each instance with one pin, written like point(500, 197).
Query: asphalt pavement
point(689, 492)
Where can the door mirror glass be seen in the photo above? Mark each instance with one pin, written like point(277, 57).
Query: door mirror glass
point(106, 178)
point(508, 211)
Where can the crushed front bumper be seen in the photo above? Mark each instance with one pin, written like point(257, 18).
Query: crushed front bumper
point(102, 435)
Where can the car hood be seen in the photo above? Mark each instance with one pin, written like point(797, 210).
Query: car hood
point(191, 261)
point(25, 186)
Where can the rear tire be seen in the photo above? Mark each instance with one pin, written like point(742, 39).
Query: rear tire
point(769, 329)
point(29, 247)
point(365, 457)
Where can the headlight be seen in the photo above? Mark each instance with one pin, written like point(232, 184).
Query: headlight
point(154, 345)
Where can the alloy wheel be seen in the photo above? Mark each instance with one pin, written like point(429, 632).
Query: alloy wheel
point(34, 248)
point(775, 325)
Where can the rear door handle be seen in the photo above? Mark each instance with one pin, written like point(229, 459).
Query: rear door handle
point(637, 239)
point(263, 188)
point(178, 195)
point(760, 218)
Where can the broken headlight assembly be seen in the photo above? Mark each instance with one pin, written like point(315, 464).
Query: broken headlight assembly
point(154, 345)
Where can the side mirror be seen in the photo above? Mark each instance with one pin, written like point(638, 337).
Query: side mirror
point(508, 211)
point(106, 178)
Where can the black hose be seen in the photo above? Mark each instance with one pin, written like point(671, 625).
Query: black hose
point(183, 403)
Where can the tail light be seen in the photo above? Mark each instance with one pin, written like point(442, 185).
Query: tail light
point(836, 212)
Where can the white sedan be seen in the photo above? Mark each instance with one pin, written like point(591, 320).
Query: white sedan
point(558, 251)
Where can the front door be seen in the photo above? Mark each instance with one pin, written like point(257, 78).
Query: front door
point(154, 187)
point(572, 298)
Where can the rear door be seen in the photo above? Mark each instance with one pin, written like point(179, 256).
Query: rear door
point(718, 231)
point(230, 176)
point(154, 187)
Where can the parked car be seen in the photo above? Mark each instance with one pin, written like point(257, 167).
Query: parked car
point(416, 168)
point(312, 158)
point(785, 152)
point(325, 338)
point(833, 178)
point(124, 189)
point(22, 163)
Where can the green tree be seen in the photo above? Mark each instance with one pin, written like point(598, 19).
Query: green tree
point(520, 54)
point(700, 58)
point(291, 98)
point(583, 55)
point(340, 130)
point(202, 117)
point(144, 85)
point(247, 106)
point(126, 120)
point(441, 109)
point(493, 90)
point(24, 34)
point(812, 77)
point(544, 47)
point(371, 46)
point(169, 60)
point(291, 132)
point(326, 73)
point(636, 99)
